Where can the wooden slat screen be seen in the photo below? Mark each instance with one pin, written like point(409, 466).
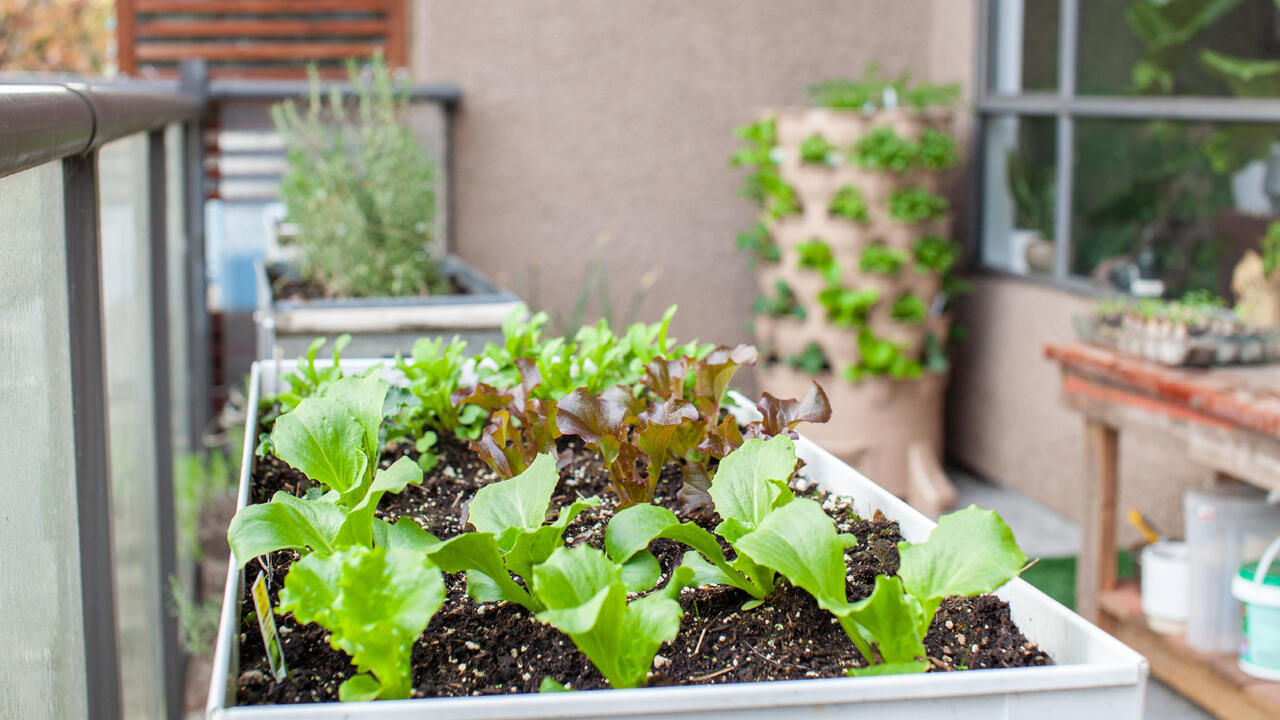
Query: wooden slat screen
point(258, 38)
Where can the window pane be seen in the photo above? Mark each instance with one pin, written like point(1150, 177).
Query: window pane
point(1024, 46)
point(1180, 47)
point(1180, 201)
point(1018, 198)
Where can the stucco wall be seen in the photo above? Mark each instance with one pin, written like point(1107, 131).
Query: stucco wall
point(582, 118)
point(1006, 420)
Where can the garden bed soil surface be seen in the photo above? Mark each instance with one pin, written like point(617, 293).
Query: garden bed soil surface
point(298, 290)
point(485, 649)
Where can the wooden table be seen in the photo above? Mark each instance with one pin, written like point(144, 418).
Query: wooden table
point(1229, 419)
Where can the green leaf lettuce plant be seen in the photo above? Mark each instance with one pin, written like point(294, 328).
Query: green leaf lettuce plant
point(586, 599)
point(374, 602)
point(333, 439)
point(773, 532)
point(510, 535)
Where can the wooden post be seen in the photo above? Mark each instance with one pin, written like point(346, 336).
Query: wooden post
point(1096, 568)
point(126, 37)
point(397, 38)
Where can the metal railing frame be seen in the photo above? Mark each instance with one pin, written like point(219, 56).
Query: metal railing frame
point(67, 122)
point(44, 120)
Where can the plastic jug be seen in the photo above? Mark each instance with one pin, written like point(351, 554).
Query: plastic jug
point(1225, 527)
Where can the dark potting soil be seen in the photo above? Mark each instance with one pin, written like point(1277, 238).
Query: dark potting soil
point(298, 289)
point(483, 649)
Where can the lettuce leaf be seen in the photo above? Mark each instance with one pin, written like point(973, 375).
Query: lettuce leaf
point(375, 603)
point(586, 599)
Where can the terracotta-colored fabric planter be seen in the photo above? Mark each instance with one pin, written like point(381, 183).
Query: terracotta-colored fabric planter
point(889, 429)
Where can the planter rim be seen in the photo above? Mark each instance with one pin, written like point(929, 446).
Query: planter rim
point(901, 110)
point(483, 290)
point(1092, 658)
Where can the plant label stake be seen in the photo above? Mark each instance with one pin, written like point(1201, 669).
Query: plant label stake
point(267, 626)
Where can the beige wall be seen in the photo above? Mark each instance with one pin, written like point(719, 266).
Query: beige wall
point(581, 118)
point(1005, 419)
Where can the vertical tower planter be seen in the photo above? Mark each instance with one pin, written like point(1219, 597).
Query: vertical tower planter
point(852, 255)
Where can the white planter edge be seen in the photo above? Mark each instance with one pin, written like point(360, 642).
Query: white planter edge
point(484, 308)
point(1095, 675)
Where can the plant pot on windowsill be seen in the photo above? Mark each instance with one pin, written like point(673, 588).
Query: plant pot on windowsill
point(380, 326)
point(1093, 673)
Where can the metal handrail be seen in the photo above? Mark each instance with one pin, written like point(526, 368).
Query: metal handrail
point(447, 94)
point(41, 122)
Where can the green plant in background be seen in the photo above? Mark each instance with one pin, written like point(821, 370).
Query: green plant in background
point(848, 307)
point(882, 260)
point(434, 371)
point(307, 379)
point(198, 482)
point(1033, 191)
point(934, 253)
point(816, 255)
point(915, 204)
point(764, 185)
point(1271, 249)
point(197, 620)
point(782, 304)
point(758, 139)
point(816, 150)
point(812, 361)
point(938, 151)
point(876, 92)
point(878, 356)
point(759, 245)
point(361, 189)
point(909, 309)
point(848, 204)
point(884, 149)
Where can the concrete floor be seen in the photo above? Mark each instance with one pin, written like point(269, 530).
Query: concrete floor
point(1042, 532)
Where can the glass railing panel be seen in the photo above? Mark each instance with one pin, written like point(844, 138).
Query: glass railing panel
point(126, 296)
point(42, 622)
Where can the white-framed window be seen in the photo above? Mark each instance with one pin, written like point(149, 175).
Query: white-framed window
point(1121, 142)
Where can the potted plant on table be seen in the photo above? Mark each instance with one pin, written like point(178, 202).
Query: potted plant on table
point(363, 256)
point(854, 261)
point(449, 528)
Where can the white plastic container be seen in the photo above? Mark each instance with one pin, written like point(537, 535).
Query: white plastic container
point(1164, 586)
point(1257, 587)
point(1225, 527)
point(1095, 675)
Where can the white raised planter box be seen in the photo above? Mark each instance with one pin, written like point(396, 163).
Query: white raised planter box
point(1095, 676)
point(383, 326)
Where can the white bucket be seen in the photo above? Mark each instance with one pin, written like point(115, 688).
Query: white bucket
point(1258, 590)
point(1165, 573)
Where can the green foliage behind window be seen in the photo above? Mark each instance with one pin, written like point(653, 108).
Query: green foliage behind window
point(361, 189)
